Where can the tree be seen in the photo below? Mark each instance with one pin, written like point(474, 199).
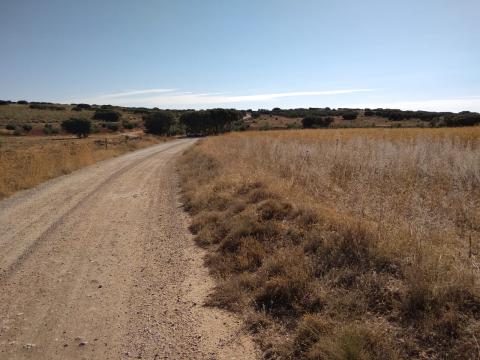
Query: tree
point(106, 115)
point(48, 129)
point(194, 123)
point(158, 122)
point(207, 122)
point(465, 118)
point(79, 127)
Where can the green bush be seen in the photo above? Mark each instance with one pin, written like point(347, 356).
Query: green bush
point(79, 127)
point(112, 126)
point(106, 115)
point(80, 107)
point(239, 125)
point(48, 129)
point(27, 127)
point(350, 116)
point(10, 126)
point(127, 124)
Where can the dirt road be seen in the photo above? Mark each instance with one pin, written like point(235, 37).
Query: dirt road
point(99, 264)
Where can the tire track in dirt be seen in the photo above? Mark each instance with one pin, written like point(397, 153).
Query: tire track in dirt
point(4, 272)
point(114, 273)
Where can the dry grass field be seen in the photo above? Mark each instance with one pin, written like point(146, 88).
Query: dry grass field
point(22, 114)
point(344, 244)
point(28, 161)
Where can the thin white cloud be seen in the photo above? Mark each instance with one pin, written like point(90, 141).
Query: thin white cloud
point(127, 94)
point(170, 98)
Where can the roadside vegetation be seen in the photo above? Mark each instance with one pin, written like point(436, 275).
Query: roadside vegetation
point(343, 244)
point(29, 161)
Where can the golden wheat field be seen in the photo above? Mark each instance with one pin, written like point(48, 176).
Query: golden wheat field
point(29, 161)
point(344, 244)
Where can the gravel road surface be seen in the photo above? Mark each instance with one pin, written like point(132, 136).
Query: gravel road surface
point(98, 264)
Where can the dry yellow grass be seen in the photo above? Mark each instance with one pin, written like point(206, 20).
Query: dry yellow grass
point(351, 241)
point(26, 162)
point(23, 114)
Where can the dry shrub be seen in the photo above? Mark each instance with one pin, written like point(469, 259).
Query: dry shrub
point(442, 313)
point(249, 255)
point(206, 201)
point(275, 210)
point(353, 247)
point(310, 330)
point(246, 187)
point(246, 226)
point(227, 295)
point(306, 217)
point(257, 195)
point(287, 281)
point(235, 207)
point(203, 220)
point(212, 234)
point(360, 342)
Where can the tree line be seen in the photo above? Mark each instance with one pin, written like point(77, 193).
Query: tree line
point(192, 123)
point(464, 118)
point(319, 117)
point(217, 121)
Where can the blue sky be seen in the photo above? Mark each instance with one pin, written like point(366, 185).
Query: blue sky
point(410, 54)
